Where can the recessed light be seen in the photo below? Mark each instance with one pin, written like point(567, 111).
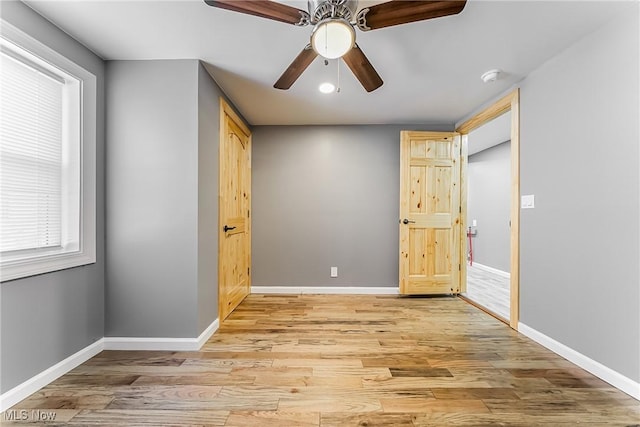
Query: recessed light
point(326, 87)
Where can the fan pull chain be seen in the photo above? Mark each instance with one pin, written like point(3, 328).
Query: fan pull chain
point(338, 88)
point(326, 64)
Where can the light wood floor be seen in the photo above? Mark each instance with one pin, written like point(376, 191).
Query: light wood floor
point(341, 361)
point(489, 290)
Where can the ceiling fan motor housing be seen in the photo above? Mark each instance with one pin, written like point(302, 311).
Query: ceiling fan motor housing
point(323, 9)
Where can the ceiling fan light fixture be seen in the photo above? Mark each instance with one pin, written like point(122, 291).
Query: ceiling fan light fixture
point(333, 37)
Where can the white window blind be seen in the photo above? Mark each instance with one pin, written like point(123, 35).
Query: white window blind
point(31, 156)
point(47, 158)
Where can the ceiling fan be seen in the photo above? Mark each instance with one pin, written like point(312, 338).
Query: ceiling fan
point(334, 22)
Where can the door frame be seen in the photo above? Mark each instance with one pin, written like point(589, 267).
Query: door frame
point(227, 111)
point(509, 102)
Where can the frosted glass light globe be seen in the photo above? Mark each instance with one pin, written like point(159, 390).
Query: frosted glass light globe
point(332, 38)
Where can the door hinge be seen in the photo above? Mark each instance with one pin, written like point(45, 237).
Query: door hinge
point(460, 209)
point(459, 267)
point(248, 213)
point(248, 271)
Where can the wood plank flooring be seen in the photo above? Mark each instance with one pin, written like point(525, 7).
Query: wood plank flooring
point(489, 290)
point(322, 360)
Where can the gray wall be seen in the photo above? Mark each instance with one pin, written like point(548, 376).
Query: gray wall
point(162, 198)
point(326, 196)
point(208, 144)
point(489, 203)
point(579, 156)
point(152, 198)
point(44, 319)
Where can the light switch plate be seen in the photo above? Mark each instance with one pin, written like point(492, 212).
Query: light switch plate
point(527, 202)
point(334, 271)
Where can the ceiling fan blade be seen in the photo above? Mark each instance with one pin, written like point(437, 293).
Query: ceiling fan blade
point(297, 67)
point(362, 69)
point(404, 11)
point(264, 9)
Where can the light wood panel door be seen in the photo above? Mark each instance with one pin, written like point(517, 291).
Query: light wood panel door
point(234, 264)
point(429, 213)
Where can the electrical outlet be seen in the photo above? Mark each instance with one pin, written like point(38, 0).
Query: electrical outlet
point(334, 271)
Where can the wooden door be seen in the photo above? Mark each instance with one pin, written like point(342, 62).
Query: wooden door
point(429, 213)
point(234, 258)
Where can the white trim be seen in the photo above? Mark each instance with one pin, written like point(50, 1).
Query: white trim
point(35, 383)
point(337, 290)
point(207, 333)
point(601, 371)
point(155, 344)
point(491, 270)
point(85, 253)
point(161, 344)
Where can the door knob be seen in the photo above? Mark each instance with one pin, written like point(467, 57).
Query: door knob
point(227, 228)
point(406, 221)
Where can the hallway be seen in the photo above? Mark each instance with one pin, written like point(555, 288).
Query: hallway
point(489, 290)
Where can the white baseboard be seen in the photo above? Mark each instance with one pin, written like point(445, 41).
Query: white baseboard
point(207, 333)
point(491, 270)
point(601, 371)
point(27, 388)
point(161, 344)
point(35, 383)
point(335, 290)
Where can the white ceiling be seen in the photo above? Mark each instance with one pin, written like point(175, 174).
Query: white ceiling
point(431, 69)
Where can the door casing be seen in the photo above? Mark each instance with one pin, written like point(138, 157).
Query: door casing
point(509, 102)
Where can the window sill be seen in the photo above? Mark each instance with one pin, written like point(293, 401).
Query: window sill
point(18, 269)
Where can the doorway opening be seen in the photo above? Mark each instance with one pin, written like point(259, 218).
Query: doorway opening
point(490, 196)
point(488, 216)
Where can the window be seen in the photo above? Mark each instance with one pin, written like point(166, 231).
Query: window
point(47, 159)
